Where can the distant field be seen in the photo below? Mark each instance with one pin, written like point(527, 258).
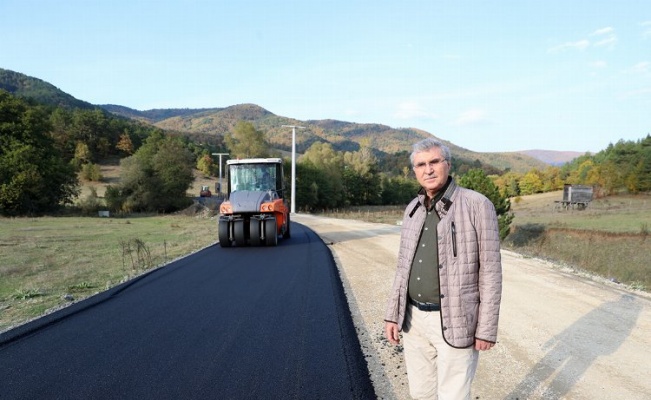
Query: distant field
point(630, 214)
point(44, 260)
point(610, 238)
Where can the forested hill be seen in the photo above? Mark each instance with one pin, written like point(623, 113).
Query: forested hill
point(155, 115)
point(27, 87)
point(344, 136)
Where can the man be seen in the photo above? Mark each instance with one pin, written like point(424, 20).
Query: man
point(447, 289)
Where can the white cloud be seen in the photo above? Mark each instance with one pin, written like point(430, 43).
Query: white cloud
point(578, 45)
point(471, 117)
point(643, 67)
point(635, 93)
point(607, 37)
point(604, 37)
point(603, 31)
point(598, 64)
point(607, 42)
point(413, 109)
point(646, 25)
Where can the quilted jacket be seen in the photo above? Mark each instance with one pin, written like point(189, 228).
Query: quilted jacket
point(470, 269)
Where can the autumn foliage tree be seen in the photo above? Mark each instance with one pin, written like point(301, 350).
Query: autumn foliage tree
point(246, 142)
point(125, 145)
point(205, 164)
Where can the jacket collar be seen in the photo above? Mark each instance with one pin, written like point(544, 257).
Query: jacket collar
point(443, 202)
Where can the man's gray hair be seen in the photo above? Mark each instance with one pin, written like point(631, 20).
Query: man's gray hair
point(427, 145)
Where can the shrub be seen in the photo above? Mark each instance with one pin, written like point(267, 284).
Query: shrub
point(91, 172)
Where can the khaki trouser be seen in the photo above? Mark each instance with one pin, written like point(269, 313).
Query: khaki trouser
point(435, 369)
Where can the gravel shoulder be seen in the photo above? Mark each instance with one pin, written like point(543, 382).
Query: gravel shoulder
point(562, 335)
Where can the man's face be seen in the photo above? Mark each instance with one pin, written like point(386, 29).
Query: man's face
point(432, 170)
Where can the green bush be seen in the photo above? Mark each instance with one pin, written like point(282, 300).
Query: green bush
point(91, 172)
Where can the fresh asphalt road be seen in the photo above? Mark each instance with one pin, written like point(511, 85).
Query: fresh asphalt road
point(234, 323)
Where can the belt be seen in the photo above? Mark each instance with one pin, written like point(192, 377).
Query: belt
point(425, 306)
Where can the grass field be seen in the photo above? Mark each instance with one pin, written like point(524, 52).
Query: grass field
point(610, 238)
point(46, 262)
point(630, 214)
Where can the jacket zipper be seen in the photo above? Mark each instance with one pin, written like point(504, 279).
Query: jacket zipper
point(454, 239)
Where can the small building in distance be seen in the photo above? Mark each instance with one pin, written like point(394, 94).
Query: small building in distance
point(578, 196)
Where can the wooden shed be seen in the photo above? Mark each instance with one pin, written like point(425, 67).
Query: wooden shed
point(578, 196)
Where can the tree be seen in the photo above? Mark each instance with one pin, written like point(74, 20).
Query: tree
point(362, 183)
point(173, 166)
point(246, 142)
point(398, 190)
point(34, 178)
point(530, 183)
point(551, 179)
point(325, 167)
point(308, 179)
point(125, 145)
point(609, 177)
point(60, 131)
point(477, 180)
point(91, 172)
point(155, 178)
point(508, 184)
point(205, 164)
point(82, 154)
point(581, 174)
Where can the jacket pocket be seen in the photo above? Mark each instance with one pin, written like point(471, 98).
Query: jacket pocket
point(470, 307)
point(454, 239)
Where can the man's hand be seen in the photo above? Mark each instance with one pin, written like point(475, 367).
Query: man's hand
point(392, 332)
point(483, 345)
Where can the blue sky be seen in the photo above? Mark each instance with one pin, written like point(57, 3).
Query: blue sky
point(486, 75)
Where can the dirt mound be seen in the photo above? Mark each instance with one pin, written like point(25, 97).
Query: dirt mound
point(198, 210)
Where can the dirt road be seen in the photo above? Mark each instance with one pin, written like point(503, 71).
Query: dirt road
point(562, 335)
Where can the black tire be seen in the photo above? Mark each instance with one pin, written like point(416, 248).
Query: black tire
point(270, 232)
point(224, 240)
point(287, 233)
point(254, 229)
point(239, 233)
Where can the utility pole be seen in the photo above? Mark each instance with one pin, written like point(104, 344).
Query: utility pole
point(293, 207)
point(220, 169)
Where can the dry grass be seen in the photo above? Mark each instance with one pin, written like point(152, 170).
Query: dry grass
point(609, 238)
point(609, 214)
point(45, 261)
point(391, 215)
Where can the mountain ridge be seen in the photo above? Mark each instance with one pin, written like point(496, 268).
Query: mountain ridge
point(552, 157)
point(343, 135)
